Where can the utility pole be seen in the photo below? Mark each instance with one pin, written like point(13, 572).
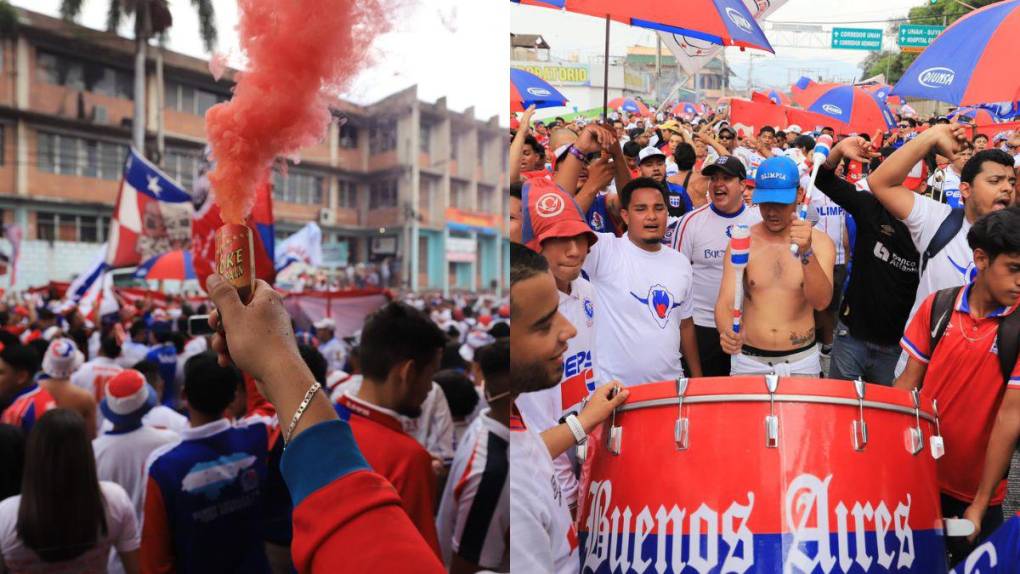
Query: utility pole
point(658, 65)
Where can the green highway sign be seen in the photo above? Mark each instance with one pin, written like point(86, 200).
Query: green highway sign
point(914, 36)
point(857, 38)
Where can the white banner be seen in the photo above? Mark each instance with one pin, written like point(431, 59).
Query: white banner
point(461, 249)
point(692, 54)
point(304, 246)
point(349, 310)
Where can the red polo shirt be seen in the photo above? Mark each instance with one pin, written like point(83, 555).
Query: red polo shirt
point(964, 376)
point(397, 457)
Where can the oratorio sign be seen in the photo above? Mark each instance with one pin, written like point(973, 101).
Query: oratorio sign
point(559, 74)
point(916, 37)
point(857, 38)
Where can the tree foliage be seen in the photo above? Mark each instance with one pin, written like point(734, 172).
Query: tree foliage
point(894, 63)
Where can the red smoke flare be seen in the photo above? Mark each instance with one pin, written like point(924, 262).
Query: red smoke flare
point(296, 51)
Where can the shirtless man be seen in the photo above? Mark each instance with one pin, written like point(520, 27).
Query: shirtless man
point(781, 290)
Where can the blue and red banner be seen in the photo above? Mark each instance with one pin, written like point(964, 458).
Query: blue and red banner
point(152, 216)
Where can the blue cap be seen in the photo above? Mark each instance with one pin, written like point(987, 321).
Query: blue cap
point(776, 181)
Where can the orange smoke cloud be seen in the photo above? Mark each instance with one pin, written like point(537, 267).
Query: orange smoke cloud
point(297, 51)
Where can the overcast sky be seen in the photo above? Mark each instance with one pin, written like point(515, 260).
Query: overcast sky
point(584, 35)
point(453, 48)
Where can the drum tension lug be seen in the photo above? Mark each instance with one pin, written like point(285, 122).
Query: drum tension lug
point(771, 420)
point(860, 428)
point(681, 430)
point(938, 446)
point(916, 435)
point(614, 440)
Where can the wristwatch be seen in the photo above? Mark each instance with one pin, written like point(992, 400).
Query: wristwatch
point(805, 256)
point(576, 428)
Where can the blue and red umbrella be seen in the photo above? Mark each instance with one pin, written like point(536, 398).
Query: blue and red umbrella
point(973, 115)
point(527, 89)
point(724, 22)
point(176, 264)
point(629, 105)
point(972, 61)
point(858, 109)
point(688, 109)
point(881, 92)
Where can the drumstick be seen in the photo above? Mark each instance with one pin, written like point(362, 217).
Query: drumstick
point(740, 246)
point(819, 155)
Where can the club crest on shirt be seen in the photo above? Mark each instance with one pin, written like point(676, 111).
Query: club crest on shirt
point(674, 201)
point(969, 272)
point(589, 311)
point(596, 222)
point(660, 302)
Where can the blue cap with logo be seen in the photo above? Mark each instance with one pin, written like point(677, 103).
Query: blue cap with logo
point(776, 181)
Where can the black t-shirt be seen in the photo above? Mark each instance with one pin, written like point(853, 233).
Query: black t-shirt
point(884, 273)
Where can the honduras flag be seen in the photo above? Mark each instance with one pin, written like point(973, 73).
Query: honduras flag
point(304, 246)
point(92, 290)
point(152, 216)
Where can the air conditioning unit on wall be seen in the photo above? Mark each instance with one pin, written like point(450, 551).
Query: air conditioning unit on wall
point(327, 216)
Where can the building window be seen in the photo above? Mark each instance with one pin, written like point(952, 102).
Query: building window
point(78, 74)
point(382, 136)
point(190, 100)
point(348, 136)
point(459, 195)
point(298, 187)
point(383, 194)
point(425, 138)
point(348, 197)
point(51, 226)
point(46, 226)
point(71, 155)
point(183, 167)
point(486, 198)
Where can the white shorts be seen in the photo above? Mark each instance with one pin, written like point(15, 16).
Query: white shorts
point(802, 363)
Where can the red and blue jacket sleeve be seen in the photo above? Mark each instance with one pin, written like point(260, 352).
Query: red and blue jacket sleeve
point(345, 514)
point(157, 553)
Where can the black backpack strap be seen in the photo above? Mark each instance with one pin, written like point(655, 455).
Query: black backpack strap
point(947, 230)
point(941, 311)
point(687, 179)
point(1008, 343)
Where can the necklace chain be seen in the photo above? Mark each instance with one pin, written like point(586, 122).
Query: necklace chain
point(963, 332)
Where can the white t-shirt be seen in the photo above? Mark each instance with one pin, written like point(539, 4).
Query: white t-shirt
point(543, 409)
point(950, 186)
point(642, 296)
point(120, 458)
point(703, 238)
point(954, 264)
point(159, 417)
point(335, 354)
point(480, 465)
point(831, 218)
point(123, 534)
point(92, 376)
point(131, 353)
point(544, 539)
point(750, 158)
point(433, 429)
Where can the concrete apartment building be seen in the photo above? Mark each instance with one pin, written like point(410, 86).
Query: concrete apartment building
point(400, 179)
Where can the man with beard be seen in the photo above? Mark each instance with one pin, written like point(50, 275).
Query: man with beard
point(544, 538)
point(400, 351)
point(563, 238)
point(939, 232)
point(644, 293)
point(781, 290)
